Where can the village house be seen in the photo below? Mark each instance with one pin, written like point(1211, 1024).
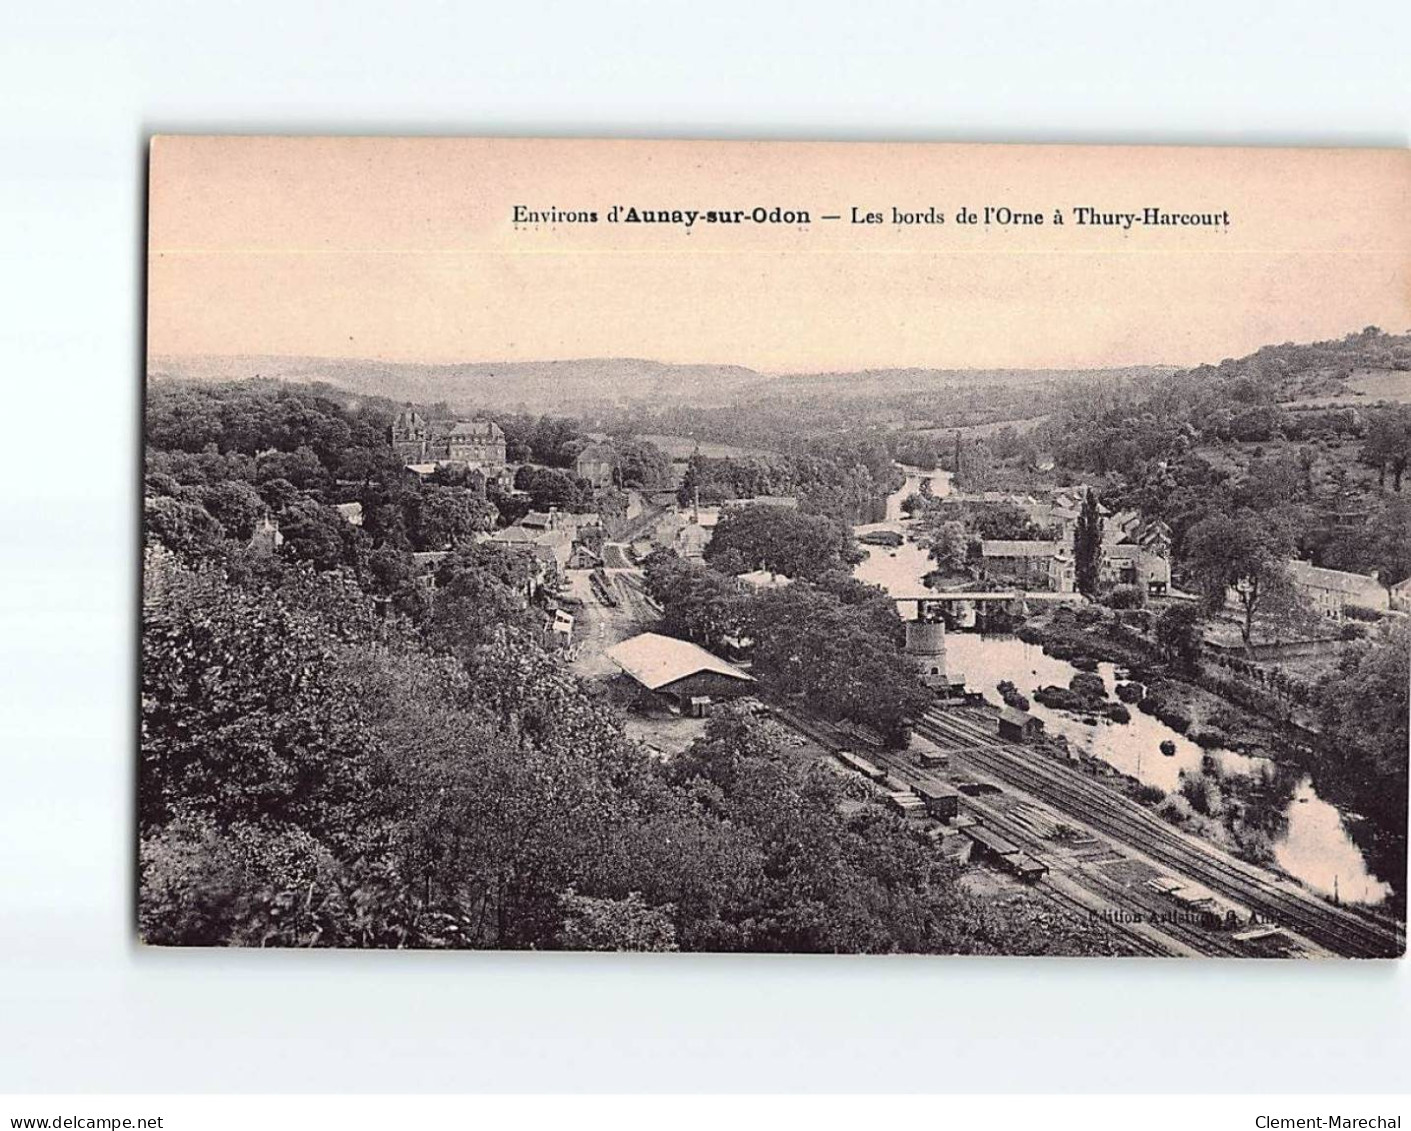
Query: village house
point(1332, 592)
point(540, 521)
point(1062, 570)
point(1028, 564)
point(1400, 596)
point(597, 463)
point(1136, 551)
point(1062, 520)
point(1130, 564)
point(419, 442)
point(502, 478)
point(550, 548)
point(692, 539)
point(266, 535)
point(558, 628)
point(584, 558)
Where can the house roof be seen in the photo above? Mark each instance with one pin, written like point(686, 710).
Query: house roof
point(1304, 573)
point(602, 452)
point(655, 661)
point(763, 579)
point(1010, 549)
point(477, 429)
point(515, 535)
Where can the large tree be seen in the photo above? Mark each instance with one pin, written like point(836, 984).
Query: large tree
point(783, 540)
point(1241, 554)
point(698, 604)
point(810, 643)
point(1178, 634)
point(1388, 443)
point(949, 545)
point(1087, 546)
point(448, 516)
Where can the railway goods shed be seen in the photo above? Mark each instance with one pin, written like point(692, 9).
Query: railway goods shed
point(942, 801)
point(1019, 726)
point(679, 670)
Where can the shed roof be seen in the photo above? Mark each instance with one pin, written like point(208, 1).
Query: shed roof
point(1016, 716)
point(991, 840)
point(655, 661)
point(790, 501)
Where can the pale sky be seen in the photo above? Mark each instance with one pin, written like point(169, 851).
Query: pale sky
point(405, 250)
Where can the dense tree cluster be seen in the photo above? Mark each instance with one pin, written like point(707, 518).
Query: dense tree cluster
point(814, 644)
point(549, 440)
point(845, 478)
point(698, 603)
point(315, 776)
point(1363, 710)
point(781, 540)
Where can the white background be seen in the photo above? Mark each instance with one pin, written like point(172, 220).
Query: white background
point(81, 85)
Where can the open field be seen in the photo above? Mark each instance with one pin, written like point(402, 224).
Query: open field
point(681, 447)
point(980, 431)
point(1367, 386)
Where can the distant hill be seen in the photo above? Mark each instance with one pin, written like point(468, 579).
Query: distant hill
point(889, 382)
point(537, 386)
point(594, 384)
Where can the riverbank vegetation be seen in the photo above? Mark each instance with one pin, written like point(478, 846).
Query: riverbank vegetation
point(1348, 735)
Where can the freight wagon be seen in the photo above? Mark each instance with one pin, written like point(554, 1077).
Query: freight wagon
point(859, 764)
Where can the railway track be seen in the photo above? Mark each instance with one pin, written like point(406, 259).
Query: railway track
point(1080, 899)
point(1273, 898)
point(1087, 889)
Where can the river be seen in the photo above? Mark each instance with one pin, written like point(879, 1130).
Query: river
point(1314, 846)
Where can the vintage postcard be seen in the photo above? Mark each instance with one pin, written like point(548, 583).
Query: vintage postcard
point(776, 547)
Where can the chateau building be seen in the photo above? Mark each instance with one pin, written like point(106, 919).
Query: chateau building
point(475, 443)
